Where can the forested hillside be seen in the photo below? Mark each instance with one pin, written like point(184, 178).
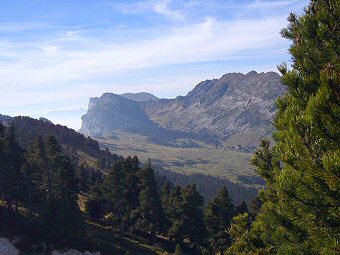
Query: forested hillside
point(86, 151)
point(50, 201)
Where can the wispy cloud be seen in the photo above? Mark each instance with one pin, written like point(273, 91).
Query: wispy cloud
point(164, 9)
point(53, 62)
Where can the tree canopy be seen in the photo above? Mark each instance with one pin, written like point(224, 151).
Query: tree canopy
point(301, 211)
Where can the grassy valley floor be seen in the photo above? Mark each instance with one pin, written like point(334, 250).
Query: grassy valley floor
point(206, 160)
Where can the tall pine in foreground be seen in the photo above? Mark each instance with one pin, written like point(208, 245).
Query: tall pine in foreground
point(301, 207)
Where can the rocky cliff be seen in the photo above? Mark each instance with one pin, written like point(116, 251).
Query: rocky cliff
point(235, 104)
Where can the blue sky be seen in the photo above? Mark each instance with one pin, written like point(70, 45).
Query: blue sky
point(54, 55)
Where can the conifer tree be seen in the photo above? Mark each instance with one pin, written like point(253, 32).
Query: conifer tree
point(114, 196)
point(35, 173)
point(301, 212)
point(193, 223)
point(132, 187)
point(58, 185)
point(67, 214)
point(149, 216)
point(217, 216)
point(10, 173)
point(174, 212)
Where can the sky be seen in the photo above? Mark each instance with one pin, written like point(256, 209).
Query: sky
point(55, 55)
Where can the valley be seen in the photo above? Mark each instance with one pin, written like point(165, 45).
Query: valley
point(220, 162)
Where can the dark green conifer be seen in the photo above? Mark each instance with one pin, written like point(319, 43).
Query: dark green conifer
point(217, 216)
point(193, 223)
point(301, 212)
point(174, 212)
point(114, 196)
point(11, 181)
point(149, 216)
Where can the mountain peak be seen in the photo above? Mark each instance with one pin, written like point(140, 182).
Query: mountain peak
point(252, 73)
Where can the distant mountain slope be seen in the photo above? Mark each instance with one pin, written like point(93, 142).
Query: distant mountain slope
point(139, 97)
point(235, 105)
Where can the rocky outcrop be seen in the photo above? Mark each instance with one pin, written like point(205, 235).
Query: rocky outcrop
point(111, 112)
point(7, 247)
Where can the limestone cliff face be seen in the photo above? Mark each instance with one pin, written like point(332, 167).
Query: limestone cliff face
point(111, 112)
point(234, 104)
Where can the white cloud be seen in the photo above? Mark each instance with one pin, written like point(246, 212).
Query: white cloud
point(161, 7)
point(206, 41)
point(36, 67)
point(164, 9)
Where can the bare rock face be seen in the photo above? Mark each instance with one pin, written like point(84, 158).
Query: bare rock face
point(7, 247)
point(235, 105)
point(111, 112)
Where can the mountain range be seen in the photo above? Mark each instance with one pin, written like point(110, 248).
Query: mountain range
point(237, 107)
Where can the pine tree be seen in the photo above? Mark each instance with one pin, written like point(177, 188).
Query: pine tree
point(132, 187)
point(165, 193)
point(301, 212)
point(149, 216)
point(67, 223)
point(34, 171)
point(217, 216)
point(174, 212)
point(193, 223)
point(114, 196)
point(239, 232)
point(11, 184)
point(58, 185)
